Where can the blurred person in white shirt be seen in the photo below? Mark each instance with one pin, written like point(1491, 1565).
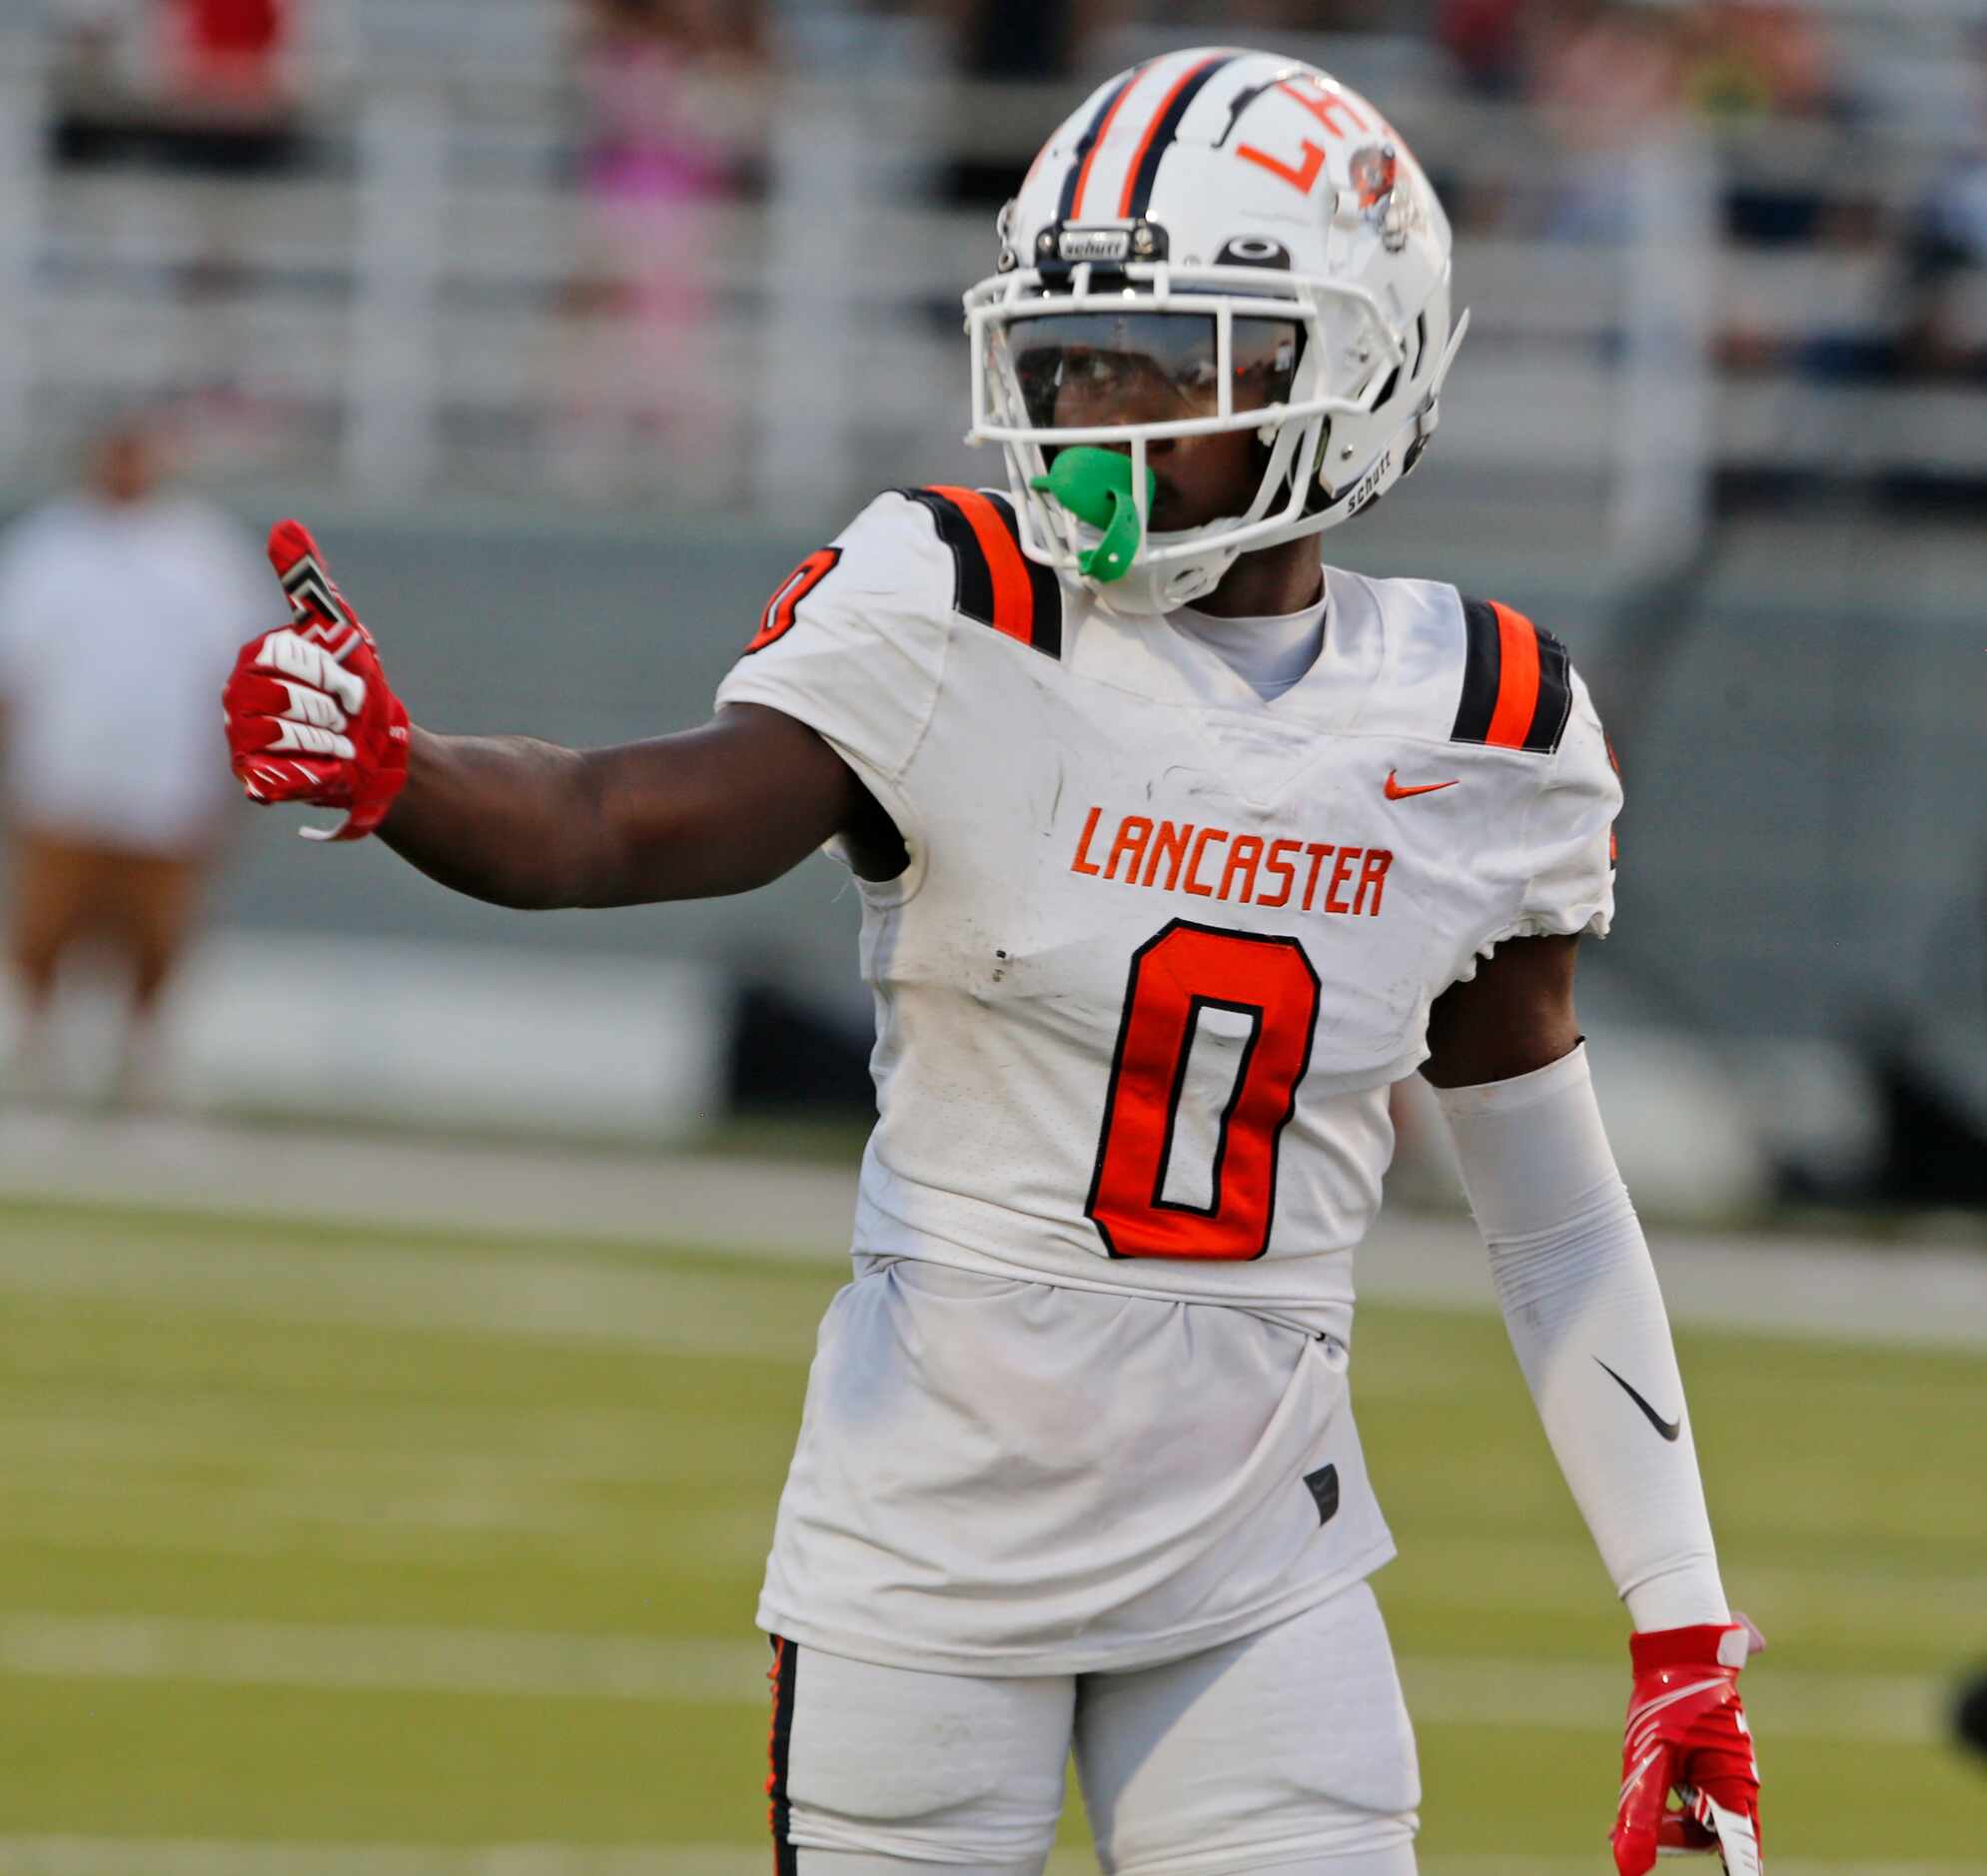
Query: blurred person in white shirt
point(120, 608)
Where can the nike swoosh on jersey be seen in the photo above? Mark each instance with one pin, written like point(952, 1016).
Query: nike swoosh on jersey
point(1669, 1429)
point(1396, 791)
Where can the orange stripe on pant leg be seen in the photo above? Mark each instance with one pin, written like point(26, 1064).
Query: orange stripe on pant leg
point(772, 1749)
point(1517, 684)
point(1014, 596)
point(1180, 84)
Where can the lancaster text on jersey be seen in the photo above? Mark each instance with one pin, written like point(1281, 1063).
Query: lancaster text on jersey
point(1214, 863)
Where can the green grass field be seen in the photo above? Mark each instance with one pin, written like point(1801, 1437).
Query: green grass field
point(329, 1552)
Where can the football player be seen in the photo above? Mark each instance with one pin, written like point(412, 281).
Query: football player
point(1177, 848)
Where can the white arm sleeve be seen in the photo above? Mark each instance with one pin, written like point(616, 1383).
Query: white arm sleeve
point(1586, 1320)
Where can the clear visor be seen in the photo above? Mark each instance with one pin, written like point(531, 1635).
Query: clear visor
point(1080, 370)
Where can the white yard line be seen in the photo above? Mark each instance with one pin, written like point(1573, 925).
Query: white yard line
point(1441, 1690)
point(113, 1856)
point(1933, 1294)
point(1791, 1703)
point(717, 1544)
point(1505, 1574)
point(797, 1209)
point(330, 1281)
point(396, 1660)
point(1600, 1862)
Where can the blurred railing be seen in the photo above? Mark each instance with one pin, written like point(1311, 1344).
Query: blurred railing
point(407, 311)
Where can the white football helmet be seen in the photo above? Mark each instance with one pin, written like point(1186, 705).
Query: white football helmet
point(1217, 240)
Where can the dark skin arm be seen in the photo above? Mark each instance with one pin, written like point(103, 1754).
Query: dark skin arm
point(1515, 1015)
point(713, 810)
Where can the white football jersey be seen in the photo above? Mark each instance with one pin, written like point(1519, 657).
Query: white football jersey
point(1162, 946)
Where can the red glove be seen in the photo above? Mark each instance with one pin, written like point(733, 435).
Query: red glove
point(310, 715)
point(1687, 1730)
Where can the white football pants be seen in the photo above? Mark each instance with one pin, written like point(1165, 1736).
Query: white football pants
point(1287, 1750)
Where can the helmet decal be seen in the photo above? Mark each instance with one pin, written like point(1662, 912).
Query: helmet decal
point(1374, 170)
point(1384, 204)
point(1253, 251)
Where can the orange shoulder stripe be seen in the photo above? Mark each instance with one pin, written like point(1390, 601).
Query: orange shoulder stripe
point(1013, 593)
point(1517, 684)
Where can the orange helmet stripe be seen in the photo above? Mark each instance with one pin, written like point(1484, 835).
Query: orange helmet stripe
point(1096, 141)
point(1167, 114)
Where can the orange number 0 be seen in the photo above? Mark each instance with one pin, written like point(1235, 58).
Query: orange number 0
point(1183, 970)
point(777, 619)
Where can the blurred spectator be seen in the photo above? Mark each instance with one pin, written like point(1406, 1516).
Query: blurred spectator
point(1744, 59)
point(673, 94)
point(228, 71)
point(1606, 71)
point(168, 87)
point(1250, 21)
point(1945, 325)
point(190, 84)
point(1487, 41)
point(1008, 41)
point(1023, 41)
point(1947, 271)
point(1608, 82)
point(121, 608)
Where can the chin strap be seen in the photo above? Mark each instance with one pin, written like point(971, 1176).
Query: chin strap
point(1429, 415)
point(1095, 486)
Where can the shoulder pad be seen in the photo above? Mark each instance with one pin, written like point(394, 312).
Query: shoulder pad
point(883, 574)
point(995, 582)
point(1517, 686)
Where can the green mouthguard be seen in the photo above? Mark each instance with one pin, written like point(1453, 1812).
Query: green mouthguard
point(1095, 486)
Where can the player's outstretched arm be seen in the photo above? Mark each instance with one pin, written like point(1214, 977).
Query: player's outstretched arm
point(713, 811)
point(720, 809)
point(1587, 1321)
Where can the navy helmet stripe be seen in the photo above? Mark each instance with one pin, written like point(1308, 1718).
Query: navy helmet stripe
point(1244, 99)
point(1067, 206)
point(1167, 127)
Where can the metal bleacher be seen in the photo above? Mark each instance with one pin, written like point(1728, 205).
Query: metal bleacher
point(396, 310)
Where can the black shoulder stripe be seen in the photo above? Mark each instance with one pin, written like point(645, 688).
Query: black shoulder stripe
point(1168, 128)
point(1555, 695)
point(1482, 668)
point(972, 589)
point(1046, 612)
point(994, 581)
point(1516, 701)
